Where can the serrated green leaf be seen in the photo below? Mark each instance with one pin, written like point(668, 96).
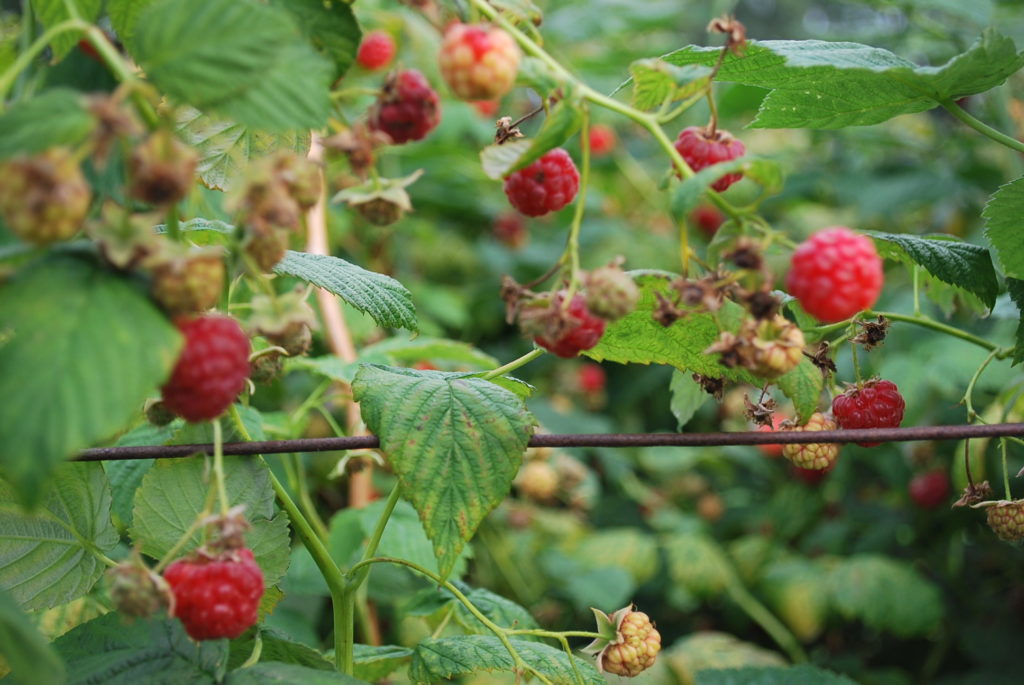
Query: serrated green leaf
point(503, 612)
point(404, 537)
point(634, 551)
point(696, 562)
point(72, 328)
point(656, 81)
point(380, 296)
point(797, 591)
point(373, 663)
point(56, 117)
point(455, 444)
point(276, 646)
point(174, 492)
point(638, 339)
point(536, 74)
point(226, 148)
point(887, 595)
point(687, 397)
point(1016, 290)
point(330, 27)
point(561, 124)
point(818, 84)
point(46, 556)
point(53, 12)
point(960, 264)
point(803, 386)
point(272, 672)
point(793, 675)
point(765, 172)
point(124, 15)
point(1004, 227)
point(404, 350)
point(237, 57)
point(445, 658)
point(151, 651)
point(30, 656)
point(709, 650)
point(328, 366)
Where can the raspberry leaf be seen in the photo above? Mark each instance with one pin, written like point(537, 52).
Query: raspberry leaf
point(274, 673)
point(330, 27)
point(656, 81)
point(794, 675)
point(70, 327)
point(374, 663)
point(951, 261)
point(455, 443)
point(687, 397)
point(561, 124)
point(33, 660)
point(887, 595)
point(690, 192)
point(439, 659)
point(819, 84)
point(52, 12)
point(46, 556)
point(698, 564)
point(803, 386)
point(57, 117)
point(380, 296)
point(1003, 226)
point(1016, 289)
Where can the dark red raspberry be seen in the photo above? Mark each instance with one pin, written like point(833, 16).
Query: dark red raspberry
point(580, 331)
point(835, 274)
point(376, 50)
point(408, 108)
point(602, 139)
point(211, 370)
point(875, 404)
point(592, 378)
point(216, 598)
point(929, 490)
point(547, 185)
point(708, 219)
point(701, 150)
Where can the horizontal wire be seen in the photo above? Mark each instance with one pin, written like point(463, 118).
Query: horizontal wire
point(955, 432)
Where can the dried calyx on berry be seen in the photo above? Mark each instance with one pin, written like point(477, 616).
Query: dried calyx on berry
point(358, 145)
point(382, 201)
point(407, 108)
point(812, 456)
point(285, 320)
point(276, 190)
point(44, 198)
point(478, 61)
point(186, 280)
point(611, 293)
point(872, 333)
point(114, 122)
point(768, 348)
point(136, 591)
point(565, 330)
point(125, 239)
point(162, 169)
point(629, 642)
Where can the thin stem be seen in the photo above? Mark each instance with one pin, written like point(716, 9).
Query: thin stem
point(917, 290)
point(766, 619)
point(981, 127)
point(969, 393)
point(856, 363)
point(321, 557)
point(572, 246)
point(514, 364)
point(1006, 472)
point(1001, 353)
point(218, 467)
point(305, 499)
point(38, 45)
point(539, 632)
point(173, 224)
point(182, 541)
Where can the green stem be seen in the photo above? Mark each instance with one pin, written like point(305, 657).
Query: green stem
point(981, 127)
point(1001, 353)
point(182, 541)
point(856, 363)
point(539, 632)
point(321, 557)
point(38, 45)
point(969, 393)
point(514, 364)
point(917, 290)
point(572, 246)
point(766, 619)
point(218, 466)
point(305, 499)
point(173, 224)
point(123, 71)
point(1006, 473)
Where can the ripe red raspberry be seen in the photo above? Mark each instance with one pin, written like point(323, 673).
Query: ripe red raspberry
point(478, 61)
point(773, 451)
point(547, 185)
point(211, 370)
point(407, 109)
point(875, 404)
point(708, 219)
point(579, 330)
point(835, 274)
point(510, 230)
point(216, 598)
point(1006, 519)
point(929, 490)
point(602, 139)
point(700, 150)
point(815, 456)
point(376, 50)
point(592, 378)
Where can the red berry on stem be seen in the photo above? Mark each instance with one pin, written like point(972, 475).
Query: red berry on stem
point(580, 331)
point(376, 50)
point(700, 150)
point(809, 476)
point(875, 404)
point(708, 219)
point(930, 490)
point(835, 274)
point(478, 61)
point(408, 108)
point(510, 229)
point(592, 378)
point(774, 450)
point(602, 139)
point(547, 185)
point(211, 370)
point(486, 108)
point(216, 598)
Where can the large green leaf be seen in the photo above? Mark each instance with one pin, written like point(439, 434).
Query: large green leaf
point(960, 264)
point(797, 590)
point(81, 350)
point(107, 651)
point(803, 386)
point(375, 663)
point(455, 443)
point(276, 646)
point(238, 57)
point(57, 117)
point(803, 674)
point(174, 491)
point(710, 650)
point(380, 296)
point(818, 84)
point(46, 557)
point(1016, 290)
point(404, 537)
point(53, 12)
point(638, 339)
point(272, 673)
point(124, 16)
point(1004, 227)
point(29, 654)
point(656, 81)
point(887, 595)
point(501, 611)
point(330, 26)
point(697, 563)
point(226, 148)
point(438, 659)
point(765, 172)
point(687, 397)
